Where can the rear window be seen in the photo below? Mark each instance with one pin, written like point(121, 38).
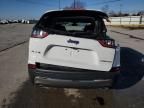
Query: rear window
point(77, 26)
point(73, 24)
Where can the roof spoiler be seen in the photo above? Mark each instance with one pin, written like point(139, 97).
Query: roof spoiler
point(92, 13)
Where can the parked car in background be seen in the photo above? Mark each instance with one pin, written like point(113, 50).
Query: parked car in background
point(4, 22)
point(70, 48)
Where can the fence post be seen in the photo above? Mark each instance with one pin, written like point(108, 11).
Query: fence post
point(140, 20)
point(130, 20)
point(120, 20)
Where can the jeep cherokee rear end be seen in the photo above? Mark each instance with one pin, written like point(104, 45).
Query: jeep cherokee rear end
point(70, 48)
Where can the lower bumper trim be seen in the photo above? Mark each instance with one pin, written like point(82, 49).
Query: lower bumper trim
point(73, 83)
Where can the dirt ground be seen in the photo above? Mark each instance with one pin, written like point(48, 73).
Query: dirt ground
point(17, 92)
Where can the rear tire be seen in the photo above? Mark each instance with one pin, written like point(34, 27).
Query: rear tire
point(115, 79)
point(31, 76)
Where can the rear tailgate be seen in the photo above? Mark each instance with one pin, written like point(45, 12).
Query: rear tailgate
point(72, 52)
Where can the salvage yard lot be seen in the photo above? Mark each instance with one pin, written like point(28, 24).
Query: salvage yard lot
point(17, 92)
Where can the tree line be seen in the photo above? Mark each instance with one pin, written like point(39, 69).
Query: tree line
point(81, 5)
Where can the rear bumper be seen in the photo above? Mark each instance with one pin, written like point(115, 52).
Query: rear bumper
point(73, 83)
point(70, 79)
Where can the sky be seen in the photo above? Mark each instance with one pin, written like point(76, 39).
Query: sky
point(33, 9)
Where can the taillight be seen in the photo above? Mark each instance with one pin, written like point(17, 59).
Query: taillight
point(107, 43)
point(39, 34)
point(32, 66)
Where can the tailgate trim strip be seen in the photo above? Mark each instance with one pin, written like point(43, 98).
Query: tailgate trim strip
point(52, 45)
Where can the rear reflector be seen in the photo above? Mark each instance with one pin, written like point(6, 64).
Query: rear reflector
point(107, 43)
point(39, 34)
point(31, 66)
point(115, 69)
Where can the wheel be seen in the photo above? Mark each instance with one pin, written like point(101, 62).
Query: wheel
point(31, 76)
point(114, 82)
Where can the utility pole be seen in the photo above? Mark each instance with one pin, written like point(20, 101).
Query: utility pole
point(74, 4)
point(120, 8)
point(120, 12)
point(59, 4)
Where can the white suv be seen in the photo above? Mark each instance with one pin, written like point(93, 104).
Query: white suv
point(70, 48)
